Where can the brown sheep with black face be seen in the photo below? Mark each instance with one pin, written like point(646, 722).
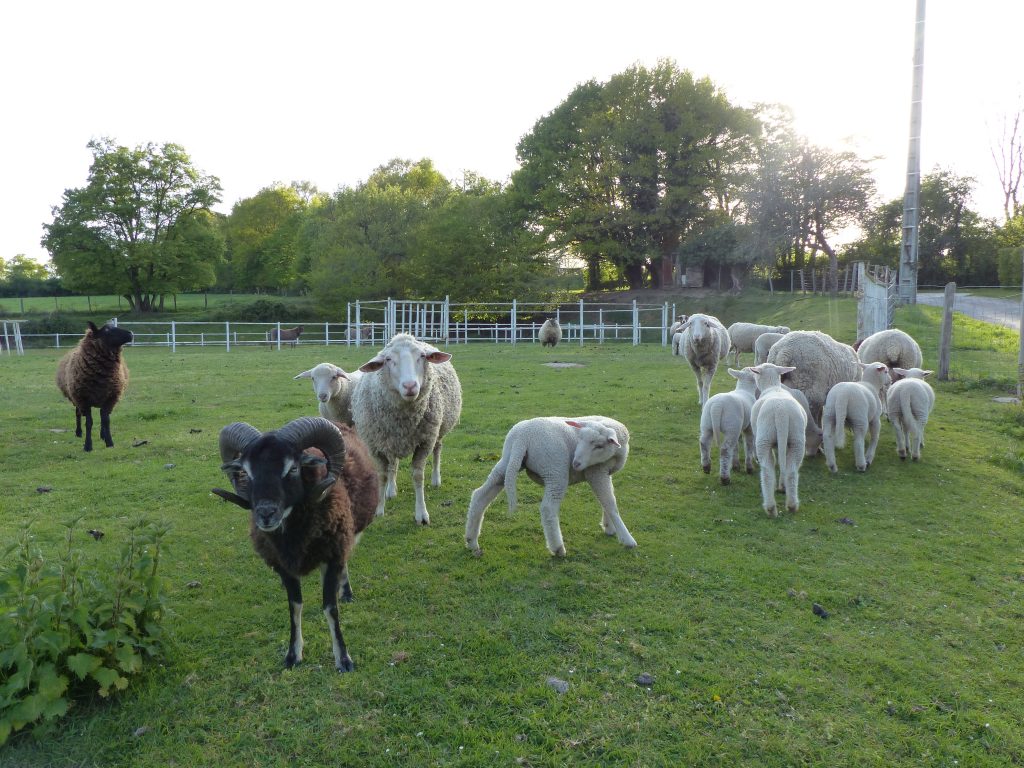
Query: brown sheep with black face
point(94, 375)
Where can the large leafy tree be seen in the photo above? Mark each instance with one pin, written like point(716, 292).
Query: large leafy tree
point(138, 227)
point(261, 232)
point(625, 169)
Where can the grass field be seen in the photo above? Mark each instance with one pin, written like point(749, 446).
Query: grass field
point(920, 565)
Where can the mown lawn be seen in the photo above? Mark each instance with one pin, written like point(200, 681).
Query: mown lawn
point(920, 566)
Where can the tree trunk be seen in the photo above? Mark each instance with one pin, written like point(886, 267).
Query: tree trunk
point(634, 272)
point(593, 273)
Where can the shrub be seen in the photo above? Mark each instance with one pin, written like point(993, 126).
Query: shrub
point(66, 631)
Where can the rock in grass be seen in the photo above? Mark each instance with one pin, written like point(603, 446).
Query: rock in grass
point(560, 686)
point(645, 680)
point(820, 611)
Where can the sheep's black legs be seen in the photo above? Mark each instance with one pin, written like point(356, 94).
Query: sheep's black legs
point(332, 572)
point(105, 427)
point(78, 422)
point(346, 588)
point(88, 429)
point(294, 590)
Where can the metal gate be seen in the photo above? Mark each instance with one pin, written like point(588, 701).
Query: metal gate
point(877, 298)
point(426, 320)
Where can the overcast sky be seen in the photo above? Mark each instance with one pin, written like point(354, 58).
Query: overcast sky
point(325, 92)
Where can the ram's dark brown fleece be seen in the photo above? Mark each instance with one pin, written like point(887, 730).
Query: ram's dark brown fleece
point(325, 532)
point(94, 375)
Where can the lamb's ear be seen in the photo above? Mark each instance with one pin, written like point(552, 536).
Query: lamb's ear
point(339, 373)
point(901, 372)
point(305, 375)
point(784, 369)
point(92, 327)
point(925, 374)
point(233, 498)
point(438, 357)
point(613, 441)
point(733, 372)
point(577, 424)
point(881, 367)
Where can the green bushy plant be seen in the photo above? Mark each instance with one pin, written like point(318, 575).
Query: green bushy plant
point(65, 630)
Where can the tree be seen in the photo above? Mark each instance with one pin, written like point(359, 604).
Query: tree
point(22, 276)
point(625, 169)
point(261, 233)
point(135, 228)
point(1008, 157)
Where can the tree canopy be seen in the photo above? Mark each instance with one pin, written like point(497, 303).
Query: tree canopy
point(623, 170)
point(140, 227)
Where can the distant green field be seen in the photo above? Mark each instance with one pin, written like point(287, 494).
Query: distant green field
point(919, 565)
point(116, 305)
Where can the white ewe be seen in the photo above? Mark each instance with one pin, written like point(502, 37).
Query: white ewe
point(333, 389)
point(743, 335)
point(410, 399)
point(704, 342)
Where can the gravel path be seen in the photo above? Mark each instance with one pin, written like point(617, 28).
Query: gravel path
point(1004, 312)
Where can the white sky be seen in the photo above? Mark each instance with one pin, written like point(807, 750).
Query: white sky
point(327, 90)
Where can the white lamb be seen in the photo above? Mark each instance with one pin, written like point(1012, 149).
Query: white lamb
point(743, 335)
point(859, 405)
point(704, 342)
point(908, 405)
point(409, 400)
point(674, 328)
point(779, 432)
point(762, 344)
point(724, 418)
point(333, 389)
point(557, 452)
point(892, 347)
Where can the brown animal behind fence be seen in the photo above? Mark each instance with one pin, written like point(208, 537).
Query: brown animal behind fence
point(290, 335)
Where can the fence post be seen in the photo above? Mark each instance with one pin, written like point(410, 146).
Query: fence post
point(600, 325)
point(946, 337)
point(636, 324)
point(227, 336)
point(664, 323)
point(581, 322)
point(465, 325)
point(174, 338)
point(513, 322)
point(279, 334)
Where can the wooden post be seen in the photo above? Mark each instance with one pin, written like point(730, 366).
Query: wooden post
point(946, 336)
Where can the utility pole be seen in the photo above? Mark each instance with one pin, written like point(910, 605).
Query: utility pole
point(912, 195)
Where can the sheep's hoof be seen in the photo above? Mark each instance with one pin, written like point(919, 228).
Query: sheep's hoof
point(560, 552)
point(706, 468)
point(863, 468)
point(903, 457)
point(725, 480)
point(629, 543)
point(424, 521)
point(772, 511)
point(87, 447)
point(345, 665)
point(833, 469)
point(291, 660)
point(477, 552)
point(793, 508)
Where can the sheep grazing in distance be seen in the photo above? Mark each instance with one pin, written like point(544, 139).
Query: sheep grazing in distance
point(892, 347)
point(409, 400)
point(362, 332)
point(94, 375)
point(556, 453)
point(312, 490)
point(908, 405)
point(290, 335)
point(743, 335)
point(820, 361)
point(725, 418)
point(779, 433)
point(762, 344)
point(333, 389)
point(704, 342)
point(550, 333)
point(859, 404)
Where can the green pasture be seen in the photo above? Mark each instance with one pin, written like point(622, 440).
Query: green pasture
point(920, 567)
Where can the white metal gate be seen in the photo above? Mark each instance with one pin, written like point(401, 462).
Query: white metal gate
point(877, 303)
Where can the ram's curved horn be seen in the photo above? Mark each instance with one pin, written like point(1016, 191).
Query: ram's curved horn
point(234, 439)
point(317, 432)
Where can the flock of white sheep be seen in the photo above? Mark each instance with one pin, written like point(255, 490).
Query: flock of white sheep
point(800, 380)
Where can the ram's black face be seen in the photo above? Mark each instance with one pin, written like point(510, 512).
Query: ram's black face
point(111, 335)
point(274, 467)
